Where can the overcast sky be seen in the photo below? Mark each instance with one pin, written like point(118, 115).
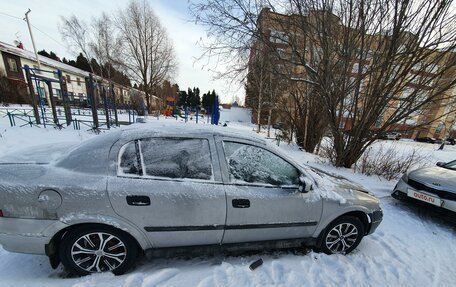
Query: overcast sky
point(45, 16)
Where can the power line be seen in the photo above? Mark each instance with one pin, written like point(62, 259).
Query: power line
point(9, 15)
point(49, 36)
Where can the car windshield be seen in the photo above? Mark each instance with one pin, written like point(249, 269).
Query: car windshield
point(451, 165)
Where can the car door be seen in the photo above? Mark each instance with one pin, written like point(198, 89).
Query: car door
point(263, 197)
point(171, 188)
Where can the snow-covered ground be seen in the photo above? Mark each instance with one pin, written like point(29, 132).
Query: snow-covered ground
point(410, 248)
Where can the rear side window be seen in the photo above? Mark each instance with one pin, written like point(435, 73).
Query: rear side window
point(253, 164)
point(167, 157)
point(129, 159)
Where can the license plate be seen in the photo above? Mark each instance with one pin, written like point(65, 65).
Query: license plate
point(424, 197)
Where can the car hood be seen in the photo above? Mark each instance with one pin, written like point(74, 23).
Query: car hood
point(339, 189)
point(341, 183)
point(436, 177)
point(38, 154)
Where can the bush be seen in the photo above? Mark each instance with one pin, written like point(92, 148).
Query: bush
point(389, 162)
point(383, 160)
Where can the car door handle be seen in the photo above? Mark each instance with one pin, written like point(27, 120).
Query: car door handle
point(138, 200)
point(240, 203)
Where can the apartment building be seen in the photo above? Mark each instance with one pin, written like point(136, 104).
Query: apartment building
point(436, 119)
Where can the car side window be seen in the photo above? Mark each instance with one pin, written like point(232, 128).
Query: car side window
point(252, 164)
point(129, 160)
point(176, 158)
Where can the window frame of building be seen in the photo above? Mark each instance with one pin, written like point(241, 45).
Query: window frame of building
point(37, 69)
point(439, 128)
point(11, 65)
point(278, 37)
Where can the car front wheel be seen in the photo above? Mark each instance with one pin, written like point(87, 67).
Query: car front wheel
point(93, 249)
point(342, 236)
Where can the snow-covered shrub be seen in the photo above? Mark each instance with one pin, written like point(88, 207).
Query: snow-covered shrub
point(326, 151)
point(389, 161)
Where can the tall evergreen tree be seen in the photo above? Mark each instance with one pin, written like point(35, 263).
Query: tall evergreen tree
point(82, 63)
point(208, 100)
point(195, 99)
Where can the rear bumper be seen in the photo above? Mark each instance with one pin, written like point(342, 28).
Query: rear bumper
point(26, 235)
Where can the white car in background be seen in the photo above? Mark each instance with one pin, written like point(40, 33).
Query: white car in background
point(432, 185)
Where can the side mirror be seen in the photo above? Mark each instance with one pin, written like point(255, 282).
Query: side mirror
point(441, 163)
point(305, 184)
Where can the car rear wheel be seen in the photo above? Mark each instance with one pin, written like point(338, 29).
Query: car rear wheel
point(342, 236)
point(93, 249)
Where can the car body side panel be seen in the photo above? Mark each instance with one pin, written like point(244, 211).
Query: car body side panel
point(275, 213)
point(83, 200)
point(334, 209)
point(182, 212)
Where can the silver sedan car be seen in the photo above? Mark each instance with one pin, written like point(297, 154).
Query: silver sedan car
point(431, 185)
point(159, 188)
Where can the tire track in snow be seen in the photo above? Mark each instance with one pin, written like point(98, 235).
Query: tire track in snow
point(160, 277)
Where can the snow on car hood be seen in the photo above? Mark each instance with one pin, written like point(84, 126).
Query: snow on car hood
point(334, 187)
point(38, 154)
point(436, 177)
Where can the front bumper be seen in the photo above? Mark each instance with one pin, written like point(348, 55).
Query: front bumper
point(26, 235)
point(400, 192)
point(376, 218)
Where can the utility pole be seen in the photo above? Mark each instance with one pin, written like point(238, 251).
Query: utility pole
point(36, 54)
point(31, 36)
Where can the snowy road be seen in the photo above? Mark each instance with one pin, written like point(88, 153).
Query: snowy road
point(410, 248)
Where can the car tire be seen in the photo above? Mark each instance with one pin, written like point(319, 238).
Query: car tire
point(94, 249)
point(342, 236)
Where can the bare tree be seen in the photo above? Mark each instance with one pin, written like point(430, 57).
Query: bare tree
point(378, 63)
point(257, 81)
point(372, 64)
point(104, 44)
point(76, 34)
point(147, 53)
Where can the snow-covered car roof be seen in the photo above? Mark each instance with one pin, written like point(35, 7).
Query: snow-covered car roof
point(92, 156)
point(169, 128)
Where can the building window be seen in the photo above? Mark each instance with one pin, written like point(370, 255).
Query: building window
point(12, 65)
point(79, 81)
point(279, 37)
point(68, 78)
point(58, 93)
point(37, 70)
point(439, 128)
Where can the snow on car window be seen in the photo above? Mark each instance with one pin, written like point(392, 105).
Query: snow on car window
point(128, 159)
point(256, 165)
point(176, 158)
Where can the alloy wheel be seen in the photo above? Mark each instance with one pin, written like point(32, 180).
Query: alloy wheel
point(98, 252)
point(341, 237)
